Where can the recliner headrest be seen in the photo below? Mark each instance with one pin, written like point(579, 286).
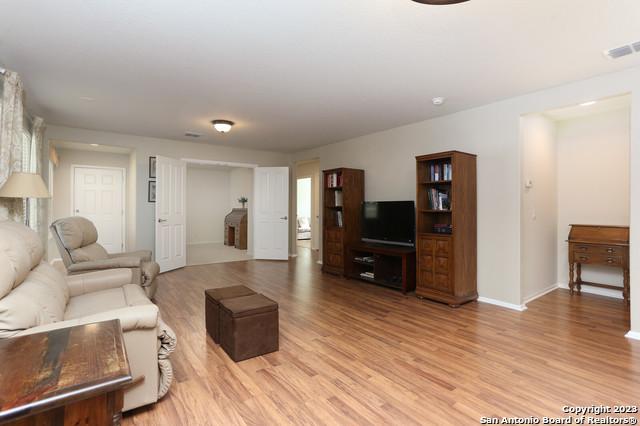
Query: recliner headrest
point(20, 251)
point(75, 232)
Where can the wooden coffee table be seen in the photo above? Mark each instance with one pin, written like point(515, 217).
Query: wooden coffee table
point(69, 376)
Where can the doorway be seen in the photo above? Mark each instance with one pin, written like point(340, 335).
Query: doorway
point(98, 195)
point(218, 214)
point(575, 170)
point(307, 225)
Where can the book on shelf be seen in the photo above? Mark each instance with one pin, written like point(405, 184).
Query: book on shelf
point(440, 172)
point(438, 199)
point(339, 221)
point(334, 180)
point(338, 198)
point(442, 228)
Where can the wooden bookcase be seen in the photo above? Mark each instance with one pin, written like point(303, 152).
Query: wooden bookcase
point(447, 261)
point(343, 194)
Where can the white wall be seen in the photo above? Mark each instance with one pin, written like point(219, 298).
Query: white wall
point(304, 197)
point(493, 133)
point(240, 185)
point(539, 215)
point(593, 183)
point(62, 178)
point(207, 204)
point(145, 147)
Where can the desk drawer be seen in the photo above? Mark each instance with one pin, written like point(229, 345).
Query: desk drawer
point(597, 259)
point(599, 249)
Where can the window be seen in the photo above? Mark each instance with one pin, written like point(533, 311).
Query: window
point(29, 165)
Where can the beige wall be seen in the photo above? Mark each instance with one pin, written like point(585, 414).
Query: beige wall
point(62, 180)
point(539, 214)
point(207, 204)
point(593, 183)
point(144, 147)
point(493, 133)
point(240, 185)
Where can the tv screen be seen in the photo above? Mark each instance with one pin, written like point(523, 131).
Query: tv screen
point(389, 222)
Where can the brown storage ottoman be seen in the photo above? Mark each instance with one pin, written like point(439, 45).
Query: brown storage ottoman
point(248, 326)
point(212, 299)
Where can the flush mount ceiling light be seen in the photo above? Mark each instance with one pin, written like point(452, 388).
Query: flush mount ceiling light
point(223, 126)
point(438, 101)
point(440, 2)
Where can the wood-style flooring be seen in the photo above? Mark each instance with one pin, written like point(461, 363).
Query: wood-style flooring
point(353, 353)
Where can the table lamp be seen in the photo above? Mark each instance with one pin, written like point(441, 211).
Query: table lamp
point(24, 185)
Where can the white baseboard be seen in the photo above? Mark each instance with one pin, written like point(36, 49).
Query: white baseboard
point(595, 290)
point(205, 242)
point(319, 262)
point(507, 305)
point(540, 293)
point(633, 335)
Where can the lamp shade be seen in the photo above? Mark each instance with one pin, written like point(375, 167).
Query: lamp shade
point(24, 185)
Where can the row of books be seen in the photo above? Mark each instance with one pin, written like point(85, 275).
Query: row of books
point(438, 200)
point(442, 228)
point(333, 180)
point(439, 172)
point(338, 219)
point(337, 198)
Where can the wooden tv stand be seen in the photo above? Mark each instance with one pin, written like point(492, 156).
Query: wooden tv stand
point(392, 266)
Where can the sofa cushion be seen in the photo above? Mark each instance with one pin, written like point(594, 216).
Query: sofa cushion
point(75, 232)
point(40, 299)
point(105, 300)
point(88, 253)
point(22, 250)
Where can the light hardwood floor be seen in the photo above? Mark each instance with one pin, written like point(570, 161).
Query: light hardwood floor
point(353, 353)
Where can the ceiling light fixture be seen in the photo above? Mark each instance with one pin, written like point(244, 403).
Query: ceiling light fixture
point(438, 101)
point(440, 2)
point(223, 126)
point(94, 144)
point(589, 103)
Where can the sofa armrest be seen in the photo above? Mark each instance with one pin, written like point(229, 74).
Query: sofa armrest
point(90, 282)
point(94, 265)
point(141, 254)
point(141, 317)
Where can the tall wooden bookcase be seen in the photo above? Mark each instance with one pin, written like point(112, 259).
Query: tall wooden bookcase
point(446, 224)
point(343, 194)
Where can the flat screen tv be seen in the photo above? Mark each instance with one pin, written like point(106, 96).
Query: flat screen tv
point(389, 222)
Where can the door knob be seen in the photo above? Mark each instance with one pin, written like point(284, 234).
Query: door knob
point(162, 220)
point(285, 218)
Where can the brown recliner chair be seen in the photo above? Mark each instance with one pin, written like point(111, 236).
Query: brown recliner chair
point(76, 238)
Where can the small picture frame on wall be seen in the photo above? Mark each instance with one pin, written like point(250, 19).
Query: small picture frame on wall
point(152, 191)
point(152, 167)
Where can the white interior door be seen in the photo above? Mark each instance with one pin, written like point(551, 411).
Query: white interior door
point(98, 195)
point(171, 218)
point(271, 210)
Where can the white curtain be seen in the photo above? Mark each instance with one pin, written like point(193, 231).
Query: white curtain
point(11, 140)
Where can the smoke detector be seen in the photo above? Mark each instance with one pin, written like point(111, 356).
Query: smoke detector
point(438, 101)
point(620, 51)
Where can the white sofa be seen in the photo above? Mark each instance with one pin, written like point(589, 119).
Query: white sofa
point(36, 297)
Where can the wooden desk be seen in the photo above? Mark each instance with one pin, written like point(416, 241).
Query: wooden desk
point(69, 376)
point(598, 245)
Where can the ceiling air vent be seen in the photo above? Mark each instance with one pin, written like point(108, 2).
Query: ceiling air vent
point(192, 134)
point(636, 46)
point(619, 52)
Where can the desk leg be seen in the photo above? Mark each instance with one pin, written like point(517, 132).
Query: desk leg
point(626, 289)
point(571, 282)
point(579, 276)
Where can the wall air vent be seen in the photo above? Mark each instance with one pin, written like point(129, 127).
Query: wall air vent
point(192, 134)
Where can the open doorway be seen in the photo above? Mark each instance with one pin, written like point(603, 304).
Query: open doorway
point(307, 205)
point(218, 215)
point(575, 171)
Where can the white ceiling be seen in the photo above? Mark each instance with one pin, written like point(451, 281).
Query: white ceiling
point(600, 107)
point(296, 74)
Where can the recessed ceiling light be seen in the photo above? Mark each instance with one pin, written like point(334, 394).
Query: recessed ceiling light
point(438, 100)
point(223, 126)
point(440, 2)
point(589, 103)
point(95, 144)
